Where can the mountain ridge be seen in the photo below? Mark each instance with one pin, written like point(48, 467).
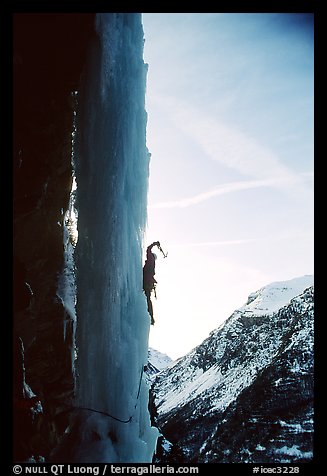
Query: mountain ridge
point(198, 392)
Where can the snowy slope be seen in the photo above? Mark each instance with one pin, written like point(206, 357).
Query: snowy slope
point(274, 296)
point(159, 360)
point(194, 395)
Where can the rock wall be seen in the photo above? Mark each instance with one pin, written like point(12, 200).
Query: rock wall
point(49, 53)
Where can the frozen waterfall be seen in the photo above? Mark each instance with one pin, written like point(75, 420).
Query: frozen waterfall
point(112, 168)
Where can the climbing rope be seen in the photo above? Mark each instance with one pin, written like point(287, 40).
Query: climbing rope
point(103, 413)
point(112, 416)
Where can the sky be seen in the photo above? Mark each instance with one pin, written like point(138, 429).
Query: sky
point(230, 130)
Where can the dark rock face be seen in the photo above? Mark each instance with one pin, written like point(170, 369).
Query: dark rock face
point(245, 394)
point(49, 53)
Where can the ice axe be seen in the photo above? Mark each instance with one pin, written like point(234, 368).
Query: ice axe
point(162, 251)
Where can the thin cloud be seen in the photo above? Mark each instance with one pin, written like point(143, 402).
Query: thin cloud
point(231, 147)
point(221, 190)
point(284, 235)
point(215, 243)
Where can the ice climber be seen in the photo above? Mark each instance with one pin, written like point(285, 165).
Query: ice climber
point(149, 281)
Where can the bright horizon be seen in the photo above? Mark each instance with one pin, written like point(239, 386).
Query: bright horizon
point(230, 131)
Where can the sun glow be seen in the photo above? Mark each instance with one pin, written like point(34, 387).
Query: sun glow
point(71, 217)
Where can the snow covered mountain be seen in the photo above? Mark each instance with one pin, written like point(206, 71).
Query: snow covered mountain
point(246, 393)
point(157, 361)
